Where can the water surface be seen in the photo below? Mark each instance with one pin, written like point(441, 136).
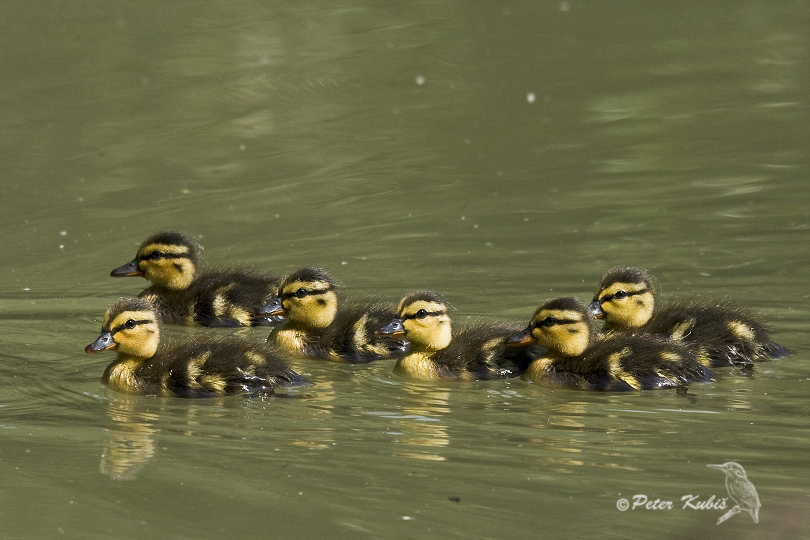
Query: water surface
point(500, 154)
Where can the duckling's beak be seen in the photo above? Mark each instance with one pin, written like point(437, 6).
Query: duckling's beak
point(103, 343)
point(524, 338)
point(596, 309)
point(393, 329)
point(128, 270)
point(273, 309)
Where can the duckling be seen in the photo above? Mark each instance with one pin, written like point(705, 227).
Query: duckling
point(197, 367)
point(725, 334)
point(473, 353)
point(182, 295)
point(577, 358)
point(318, 327)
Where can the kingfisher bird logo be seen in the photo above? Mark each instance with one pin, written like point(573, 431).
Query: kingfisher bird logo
point(741, 490)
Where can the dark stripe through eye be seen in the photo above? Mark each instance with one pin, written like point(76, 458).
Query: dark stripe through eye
point(155, 255)
point(618, 295)
point(131, 323)
point(421, 314)
point(302, 292)
point(551, 321)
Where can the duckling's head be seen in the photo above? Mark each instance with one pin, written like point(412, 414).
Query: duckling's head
point(562, 325)
point(307, 297)
point(625, 298)
point(168, 259)
point(423, 319)
point(130, 327)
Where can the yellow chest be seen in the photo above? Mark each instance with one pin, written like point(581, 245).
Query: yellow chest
point(120, 376)
point(291, 340)
point(538, 370)
point(418, 366)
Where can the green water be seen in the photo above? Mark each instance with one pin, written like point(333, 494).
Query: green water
point(500, 153)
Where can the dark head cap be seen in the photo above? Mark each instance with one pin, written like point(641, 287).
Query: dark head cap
point(424, 296)
point(568, 303)
point(626, 274)
point(129, 304)
point(308, 274)
point(172, 238)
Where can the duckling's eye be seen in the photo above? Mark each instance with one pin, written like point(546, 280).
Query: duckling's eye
point(129, 324)
point(300, 293)
point(618, 295)
point(548, 321)
point(421, 314)
point(157, 254)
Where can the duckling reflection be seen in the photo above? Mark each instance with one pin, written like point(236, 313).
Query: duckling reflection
point(571, 434)
point(130, 443)
point(421, 423)
point(320, 326)
point(577, 358)
point(184, 295)
point(725, 334)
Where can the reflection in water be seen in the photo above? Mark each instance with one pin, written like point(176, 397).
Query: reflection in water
point(565, 416)
point(295, 133)
point(573, 412)
point(567, 431)
point(134, 421)
point(737, 401)
point(130, 442)
point(322, 435)
point(421, 425)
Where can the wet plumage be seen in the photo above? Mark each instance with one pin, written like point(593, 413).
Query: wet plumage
point(184, 295)
point(200, 366)
point(724, 334)
point(578, 358)
point(321, 324)
point(473, 352)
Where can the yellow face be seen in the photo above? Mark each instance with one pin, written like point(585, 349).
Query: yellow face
point(625, 304)
point(168, 265)
point(309, 303)
point(565, 331)
point(131, 332)
point(427, 324)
